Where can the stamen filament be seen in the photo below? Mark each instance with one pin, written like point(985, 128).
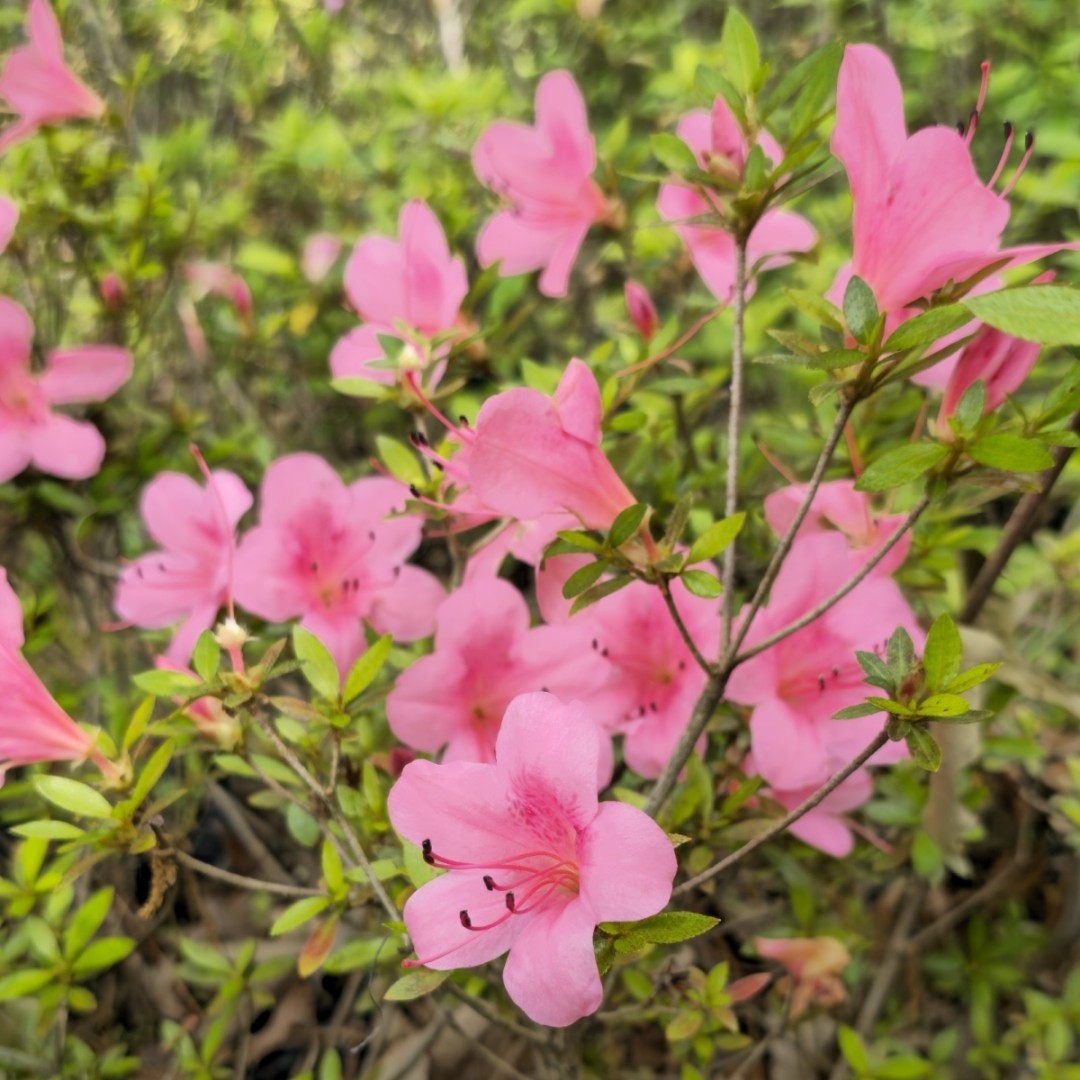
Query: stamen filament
point(1009, 133)
point(1029, 148)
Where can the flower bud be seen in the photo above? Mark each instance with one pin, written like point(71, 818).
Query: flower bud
point(113, 291)
point(642, 311)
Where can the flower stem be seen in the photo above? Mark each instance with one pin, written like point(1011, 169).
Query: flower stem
point(788, 820)
point(684, 633)
point(731, 495)
point(830, 601)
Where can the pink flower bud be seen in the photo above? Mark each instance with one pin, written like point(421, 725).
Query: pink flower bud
point(642, 311)
point(113, 290)
point(320, 253)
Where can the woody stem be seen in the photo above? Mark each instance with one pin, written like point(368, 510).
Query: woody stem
point(684, 633)
point(788, 820)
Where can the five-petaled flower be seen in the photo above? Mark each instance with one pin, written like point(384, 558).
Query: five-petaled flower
point(191, 577)
point(30, 432)
point(332, 554)
point(38, 85)
point(534, 861)
point(545, 174)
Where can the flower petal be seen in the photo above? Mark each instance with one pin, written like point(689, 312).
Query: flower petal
point(90, 373)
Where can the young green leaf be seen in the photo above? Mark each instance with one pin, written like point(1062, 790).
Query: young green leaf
point(943, 653)
point(163, 683)
point(366, 669)
point(740, 51)
point(583, 578)
point(86, 922)
point(598, 592)
point(860, 308)
point(1010, 453)
point(943, 705)
point(970, 407)
point(702, 583)
point(101, 954)
point(73, 796)
point(317, 664)
point(716, 538)
point(901, 465)
point(923, 330)
point(1049, 314)
point(673, 153)
point(856, 712)
point(297, 914)
point(923, 748)
point(626, 524)
point(417, 983)
point(206, 657)
point(970, 678)
point(900, 652)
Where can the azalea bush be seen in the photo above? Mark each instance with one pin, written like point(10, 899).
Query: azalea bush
point(541, 572)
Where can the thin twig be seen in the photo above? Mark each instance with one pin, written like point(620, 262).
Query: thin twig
point(239, 880)
point(1016, 530)
point(483, 1009)
point(684, 633)
point(830, 601)
point(674, 347)
point(328, 801)
point(789, 819)
point(731, 493)
point(498, 1063)
point(420, 1048)
point(233, 812)
point(781, 552)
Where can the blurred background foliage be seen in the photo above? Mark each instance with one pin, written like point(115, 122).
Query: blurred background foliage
point(236, 129)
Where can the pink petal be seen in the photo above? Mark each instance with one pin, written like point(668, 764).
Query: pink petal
point(776, 234)
point(555, 280)
point(16, 335)
point(320, 253)
point(292, 483)
point(627, 866)
point(518, 246)
point(548, 752)
point(375, 281)
point(551, 972)
point(340, 630)
point(72, 449)
point(577, 400)
point(45, 30)
point(90, 373)
point(183, 642)
point(424, 708)
point(9, 216)
point(561, 116)
point(354, 355)
point(441, 942)
point(435, 283)
point(787, 746)
point(266, 582)
point(11, 618)
point(825, 833)
point(870, 132)
point(407, 608)
point(14, 454)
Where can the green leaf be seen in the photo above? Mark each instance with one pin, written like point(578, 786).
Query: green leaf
point(713, 84)
point(970, 678)
point(101, 954)
point(816, 79)
point(417, 983)
point(163, 683)
point(970, 407)
point(673, 153)
point(1010, 453)
point(901, 465)
point(206, 657)
point(366, 669)
point(626, 524)
point(816, 306)
point(702, 583)
point(598, 592)
point(923, 330)
point(684, 1026)
point(581, 541)
point(317, 947)
point(139, 721)
point(152, 771)
point(924, 749)
point(73, 796)
point(318, 666)
point(900, 652)
point(740, 52)
point(49, 830)
point(860, 308)
point(716, 538)
point(943, 652)
point(583, 578)
point(205, 957)
point(297, 914)
point(668, 928)
point(877, 671)
point(1049, 314)
point(332, 870)
point(943, 705)
point(856, 712)
point(24, 983)
point(400, 461)
point(894, 708)
point(851, 1046)
point(356, 386)
point(358, 953)
point(86, 922)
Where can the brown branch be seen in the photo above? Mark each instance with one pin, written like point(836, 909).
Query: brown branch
point(239, 880)
point(789, 819)
point(684, 633)
point(1017, 529)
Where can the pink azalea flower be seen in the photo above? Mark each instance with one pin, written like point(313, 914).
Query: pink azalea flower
point(654, 680)
point(823, 827)
point(331, 554)
point(113, 290)
point(9, 217)
point(38, 85)
point(531, 455)
point(30, 432)
point(356, 355)
point(456, 696)
point(320, 253)
point(838, 505)
point(190, 577)
point(718, 142)
point(33, 727)
point(797, 685)
point(524, 540)
point(545, 173)
point(922, 216)
point(534, 861)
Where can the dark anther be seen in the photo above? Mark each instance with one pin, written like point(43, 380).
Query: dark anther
point(439, 465)
point(314, 567)
point(161, 567)
point(595, 643)
point(510, 901)
point(397, 571)
point(1008, 129)
point(463, 420)
point(1029, 140)
point(652, 705)
point(603, 652)
point(682, 665)
point(543, 689)
point(489, 883)
point(836, 673)
point(414, 491)
point(138, 572)
point(463, 915)
point(821, 682)
point(641, 710)
point(371, 535)
point(960, 127)
point(425, 848)
point(355, 583)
